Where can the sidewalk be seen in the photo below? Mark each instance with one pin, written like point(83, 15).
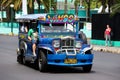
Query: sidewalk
point(106, 49)
point(7, 31)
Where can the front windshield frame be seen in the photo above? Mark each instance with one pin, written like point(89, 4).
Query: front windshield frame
point(58, 30)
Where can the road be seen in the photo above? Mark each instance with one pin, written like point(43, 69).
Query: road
point(106, 66)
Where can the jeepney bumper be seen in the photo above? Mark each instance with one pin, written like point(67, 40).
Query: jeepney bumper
point(65, 60)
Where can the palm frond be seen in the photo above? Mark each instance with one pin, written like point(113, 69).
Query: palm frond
point(115, 9)
point(17, 4)
point(4, 1)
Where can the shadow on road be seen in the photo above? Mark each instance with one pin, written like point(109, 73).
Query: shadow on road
point(59, 70)
point(56, 69)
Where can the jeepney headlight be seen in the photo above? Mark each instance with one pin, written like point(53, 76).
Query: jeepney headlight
point(56, 43)
point(78, 44)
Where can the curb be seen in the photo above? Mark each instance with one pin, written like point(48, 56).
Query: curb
point(106, 49)
point(10, 34)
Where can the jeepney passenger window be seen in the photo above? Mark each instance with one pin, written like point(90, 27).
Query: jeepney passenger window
point(24, 28)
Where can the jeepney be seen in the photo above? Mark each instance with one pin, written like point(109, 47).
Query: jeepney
point(59, 42)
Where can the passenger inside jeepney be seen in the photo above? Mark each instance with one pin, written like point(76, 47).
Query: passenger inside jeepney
point(33, 37)
point(24, 28)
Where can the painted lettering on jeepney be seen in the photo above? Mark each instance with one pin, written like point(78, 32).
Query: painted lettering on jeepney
point(70, 18)
point(60, 18)
point(65, 18)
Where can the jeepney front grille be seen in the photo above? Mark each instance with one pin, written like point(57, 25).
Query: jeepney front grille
point(67, 43)
point(68, 47)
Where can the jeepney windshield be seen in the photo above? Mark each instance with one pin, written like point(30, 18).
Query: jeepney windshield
point(58, 30)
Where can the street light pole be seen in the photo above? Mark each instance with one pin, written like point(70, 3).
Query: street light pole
point(12, 6)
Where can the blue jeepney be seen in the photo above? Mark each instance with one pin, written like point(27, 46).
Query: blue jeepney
point(59, 42)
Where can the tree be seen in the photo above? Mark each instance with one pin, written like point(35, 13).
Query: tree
point(17, 4)
point(76, 3)
point(115, 8)
point(108, 3)
point(103, 2)
point(48, 4)
point(88, 9)
point(65, 6)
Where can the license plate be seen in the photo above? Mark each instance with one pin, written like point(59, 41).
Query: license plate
point(70, 61)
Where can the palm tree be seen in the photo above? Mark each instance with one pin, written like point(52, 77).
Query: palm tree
point(88, 9)
point(115, 8)
point(39, 4)
point(54, 5)
point(104, 3)
point(110, 3)
point(17, 4)
point(48, 4)
point(65, 7)
point(30, 6)
point(76, 3)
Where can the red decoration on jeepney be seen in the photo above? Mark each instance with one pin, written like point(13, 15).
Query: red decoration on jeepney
point(70, 18)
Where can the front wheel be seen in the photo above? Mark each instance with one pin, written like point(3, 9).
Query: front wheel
point(87, 68)
point(42, 62)
point(19, 59)
point(22, 52)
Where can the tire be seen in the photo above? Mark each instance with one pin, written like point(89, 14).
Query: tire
point(42, 62)
point(23, 49)
point(20, 56)
point(19, 59)
point(87, 68)
point(24, 62)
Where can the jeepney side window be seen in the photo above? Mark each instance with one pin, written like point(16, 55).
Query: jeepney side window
point(21, 27)
point(33, 25)
point(26, 27)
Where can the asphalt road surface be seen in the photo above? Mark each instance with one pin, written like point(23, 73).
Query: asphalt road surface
point(106, 66)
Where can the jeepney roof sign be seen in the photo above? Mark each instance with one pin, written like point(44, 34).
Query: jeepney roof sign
point(50, 18)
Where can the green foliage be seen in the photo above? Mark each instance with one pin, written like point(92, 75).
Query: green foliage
point(115, 4)
point(18, 4)
point(115, 9)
